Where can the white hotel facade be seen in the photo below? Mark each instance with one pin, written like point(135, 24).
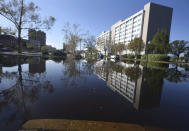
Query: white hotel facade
point(126, 30)
point(103, 39)
point(143, 24)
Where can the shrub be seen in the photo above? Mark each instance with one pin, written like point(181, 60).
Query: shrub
point(155, 57)
point(58, 53)
point(29, 46)
point(133, 72)
point(78, 57)
point(186, 59)
point(44, 50)
point(183, 59)
point(116, 67)
point(129, 61)
point(172, 59)
point(124, 56)
point(130, 56)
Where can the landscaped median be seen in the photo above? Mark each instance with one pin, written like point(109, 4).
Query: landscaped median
point(155, 58)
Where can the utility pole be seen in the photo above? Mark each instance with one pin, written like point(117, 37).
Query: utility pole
point(80, 43)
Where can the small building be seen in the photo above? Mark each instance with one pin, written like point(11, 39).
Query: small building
point(8, 41)
point(50, 48)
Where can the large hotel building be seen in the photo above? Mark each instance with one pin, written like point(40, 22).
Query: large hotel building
point(144, 24)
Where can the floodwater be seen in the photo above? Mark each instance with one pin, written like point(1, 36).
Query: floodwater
point(151, 94)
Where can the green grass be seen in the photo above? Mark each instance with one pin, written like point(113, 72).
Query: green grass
point(164, 62)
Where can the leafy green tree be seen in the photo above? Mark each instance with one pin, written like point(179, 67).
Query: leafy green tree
point(159, 44)
point(133, 72)
point(136, 46)
point(24, 15)
point(175, 75)
point(178, 47)
point(118, 48)
point(44, 49)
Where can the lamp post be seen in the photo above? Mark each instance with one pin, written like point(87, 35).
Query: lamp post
point(147, 53)
point(80, 43)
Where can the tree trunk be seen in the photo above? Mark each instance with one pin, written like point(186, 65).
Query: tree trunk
point(178, 58)
point(19, 41)
point(20, 28)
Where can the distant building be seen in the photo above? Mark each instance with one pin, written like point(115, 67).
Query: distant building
point(102, 41)
point(37, 38)
point(144, 24)
point(35, 43)
point(50, 48)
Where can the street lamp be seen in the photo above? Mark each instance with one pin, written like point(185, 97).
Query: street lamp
point(147, 51)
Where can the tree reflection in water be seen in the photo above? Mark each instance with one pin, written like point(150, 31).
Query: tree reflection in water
point(142, 86)
point(75, 70)
point(16, 101)
point(177, 74)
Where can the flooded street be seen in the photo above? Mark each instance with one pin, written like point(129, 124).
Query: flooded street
point(147, 94)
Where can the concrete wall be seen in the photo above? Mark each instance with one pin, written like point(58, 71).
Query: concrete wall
point(157, 17)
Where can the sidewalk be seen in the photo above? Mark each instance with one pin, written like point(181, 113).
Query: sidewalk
point(81, 125)
point(21, 54)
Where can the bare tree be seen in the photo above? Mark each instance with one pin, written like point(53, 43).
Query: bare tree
point(24, 16)
point(72, 36)
point(90, 44)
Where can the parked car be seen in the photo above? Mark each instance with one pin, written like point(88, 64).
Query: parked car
point(116, 57)
point(6, 49)
point(100, 56)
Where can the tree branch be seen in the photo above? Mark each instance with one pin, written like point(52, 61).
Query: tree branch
point(14, 22)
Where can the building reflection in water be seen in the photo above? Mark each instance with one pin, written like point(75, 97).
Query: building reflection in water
point(22, 89)
point(37, 65)
point(132, 82)
point(1, 70)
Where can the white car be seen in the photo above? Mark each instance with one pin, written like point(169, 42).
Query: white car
point(114, 57)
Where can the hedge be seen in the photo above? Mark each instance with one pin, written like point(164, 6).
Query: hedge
point(129, 56)
point(58, 53)
point(155, 57)
point(124, 56)
point(183, 59)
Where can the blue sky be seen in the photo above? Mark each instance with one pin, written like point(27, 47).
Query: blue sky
point(96, 16)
